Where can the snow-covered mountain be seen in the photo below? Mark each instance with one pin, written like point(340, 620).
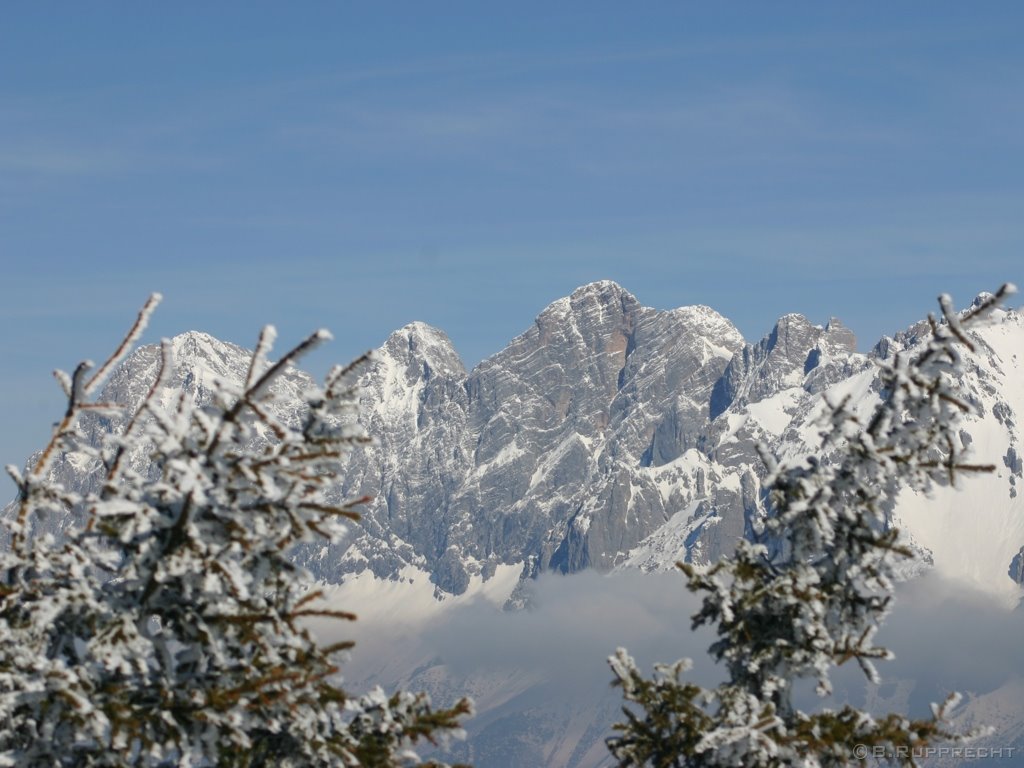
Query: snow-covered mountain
point(609, 436)
point(613, 435)
point(546, 454)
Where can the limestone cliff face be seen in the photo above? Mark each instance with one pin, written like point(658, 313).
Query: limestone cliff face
point(782, 359)
point(608, 434)
point(537, 455)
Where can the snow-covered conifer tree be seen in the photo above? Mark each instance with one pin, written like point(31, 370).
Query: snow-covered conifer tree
point(167, 628)
point(810, 591)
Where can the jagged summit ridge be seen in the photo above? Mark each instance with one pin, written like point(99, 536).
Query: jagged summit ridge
point(604, 292)
point(504, 464)
point(791, 351)
point(199, 360)
point(607, 434)
point(561, 451)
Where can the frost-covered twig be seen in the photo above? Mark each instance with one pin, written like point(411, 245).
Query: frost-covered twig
point(168, 630)
point(811, 589)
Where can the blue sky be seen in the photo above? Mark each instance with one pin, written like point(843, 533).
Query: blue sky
point(359, 166)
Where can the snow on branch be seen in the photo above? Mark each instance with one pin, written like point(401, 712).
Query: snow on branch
point(810, 588)
point(168, 628)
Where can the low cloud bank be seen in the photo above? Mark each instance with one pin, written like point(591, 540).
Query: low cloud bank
point(574, 624)
point(946, 637)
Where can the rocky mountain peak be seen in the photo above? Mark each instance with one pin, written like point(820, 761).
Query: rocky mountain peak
point(792, 350)
point(791, 332)
point(601, 291)
point(702, 314)
point(839, 337)
point(423, 350)
point(199, 360)
point(981, 298)
point(218, 357)
point(601, 301)
point(196, 341)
